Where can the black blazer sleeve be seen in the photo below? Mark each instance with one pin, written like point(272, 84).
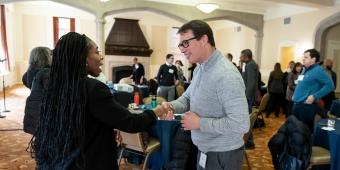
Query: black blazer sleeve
point(106, 109)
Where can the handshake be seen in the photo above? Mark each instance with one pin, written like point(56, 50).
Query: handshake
point(164, 111)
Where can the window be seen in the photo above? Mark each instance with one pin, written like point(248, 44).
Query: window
point(62, 26)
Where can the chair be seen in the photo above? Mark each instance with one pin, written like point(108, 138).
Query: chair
point(252, 118)
point(159, 99)
point(261, 108)
point(320, 156)
point(133, 142)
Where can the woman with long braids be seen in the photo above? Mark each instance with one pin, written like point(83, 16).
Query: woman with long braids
point(78, 113)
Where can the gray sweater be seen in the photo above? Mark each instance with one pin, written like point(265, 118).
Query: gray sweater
point(217, 95)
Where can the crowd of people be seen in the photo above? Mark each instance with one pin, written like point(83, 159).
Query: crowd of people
point(72, 117)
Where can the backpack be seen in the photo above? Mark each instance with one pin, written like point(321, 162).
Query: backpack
point(291, 146)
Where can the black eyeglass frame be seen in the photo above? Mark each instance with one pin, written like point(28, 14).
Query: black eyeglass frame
point(186, 43)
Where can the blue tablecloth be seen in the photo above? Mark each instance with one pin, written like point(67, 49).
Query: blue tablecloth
point(335, 108)
point(164, 131)
point(329, 140)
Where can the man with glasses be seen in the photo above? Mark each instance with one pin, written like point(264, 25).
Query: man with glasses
point(167, 79)
point(215, 104)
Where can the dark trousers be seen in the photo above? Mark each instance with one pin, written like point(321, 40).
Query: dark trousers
point(250, 140)
point(305, 113)
point(229, 160)
point(275, 103)
point(289, 108)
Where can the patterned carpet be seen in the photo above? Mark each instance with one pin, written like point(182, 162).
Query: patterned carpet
point(13, 141)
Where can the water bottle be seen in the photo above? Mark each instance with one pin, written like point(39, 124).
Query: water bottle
point(154, 101)
point(136, 98)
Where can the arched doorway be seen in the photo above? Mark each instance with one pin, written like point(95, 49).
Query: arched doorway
point(327, 40)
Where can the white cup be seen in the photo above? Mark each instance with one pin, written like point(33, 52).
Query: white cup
point(331, 122)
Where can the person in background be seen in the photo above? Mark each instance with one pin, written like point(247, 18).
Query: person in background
point(292, 79)
point(40, 58)
point(250, 78)
point(180, 73)
point(191, 69)
point(167, 79)
point(79, 113)
point(180, 86)
point(276, 90)
point(138, 72)
point(230, 58)
point(215, 103)
point(328, 99)
point(285, 84)
point(36, 78)
point(312, 85)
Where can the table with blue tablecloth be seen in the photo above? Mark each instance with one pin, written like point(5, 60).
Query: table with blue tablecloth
point(164, 131)
point(144, 89)
point(329, 140)
point(335, 108)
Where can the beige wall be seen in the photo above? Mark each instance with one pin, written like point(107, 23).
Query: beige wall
point(229, 41)
point(301, 33)
point(30, 25)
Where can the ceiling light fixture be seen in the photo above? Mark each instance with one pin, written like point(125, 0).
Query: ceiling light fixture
point(207, 7)
point(104, 0)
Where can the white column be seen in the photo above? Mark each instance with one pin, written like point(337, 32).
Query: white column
point(258, 47)
point(100, 22)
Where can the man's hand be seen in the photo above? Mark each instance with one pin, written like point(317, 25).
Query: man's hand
point(310, 99)
point(190, 121)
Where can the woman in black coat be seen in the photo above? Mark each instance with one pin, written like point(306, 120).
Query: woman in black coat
point(40, 58)
point(79, 114)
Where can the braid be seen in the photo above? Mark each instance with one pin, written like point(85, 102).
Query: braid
point(62, 118)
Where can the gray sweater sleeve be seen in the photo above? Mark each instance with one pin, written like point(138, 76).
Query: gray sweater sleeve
point(231, 95)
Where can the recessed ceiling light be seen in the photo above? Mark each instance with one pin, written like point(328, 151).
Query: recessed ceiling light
point(104, 0)
point(207, 7)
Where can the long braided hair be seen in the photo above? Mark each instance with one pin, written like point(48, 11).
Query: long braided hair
point(61, 129)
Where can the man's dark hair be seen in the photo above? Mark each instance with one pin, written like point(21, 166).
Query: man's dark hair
point(314, 54)
point(199, 28)
point(169, 56)
point(247, 53)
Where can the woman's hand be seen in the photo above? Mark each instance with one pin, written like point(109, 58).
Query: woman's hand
point(118, 137)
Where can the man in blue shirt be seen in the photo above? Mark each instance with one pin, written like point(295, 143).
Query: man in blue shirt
point(312, 85)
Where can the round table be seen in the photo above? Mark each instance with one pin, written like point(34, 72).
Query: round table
point(329, 140)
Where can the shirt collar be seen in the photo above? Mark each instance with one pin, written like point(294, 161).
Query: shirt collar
point(211, 59)
point(168, 64)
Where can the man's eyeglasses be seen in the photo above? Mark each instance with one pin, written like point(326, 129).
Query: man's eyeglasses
point(185, 43)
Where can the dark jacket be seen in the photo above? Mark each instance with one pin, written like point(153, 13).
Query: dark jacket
point(275, 83)
point(296, 136)
point(38, 87)
point(250, 78)
point(137, 73)
point(29, 75)
point(184, 152)
point(103, 115)
point(166, 75)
